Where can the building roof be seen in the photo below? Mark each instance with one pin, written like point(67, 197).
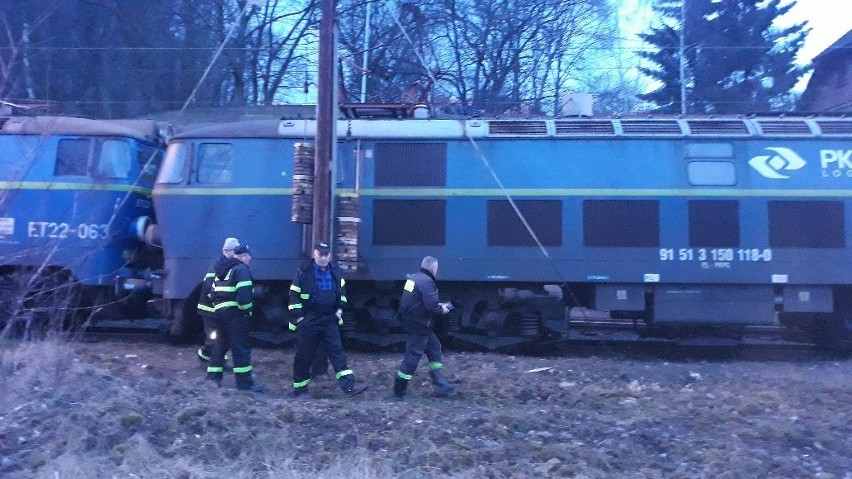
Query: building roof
point(844, 42)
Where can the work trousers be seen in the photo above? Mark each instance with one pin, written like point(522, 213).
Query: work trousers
point(415, 346)
point(318, 335)
point(209, 329)
point(232, 329)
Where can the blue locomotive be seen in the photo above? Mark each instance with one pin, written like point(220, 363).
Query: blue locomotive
point(673, 227)
point(74, 213)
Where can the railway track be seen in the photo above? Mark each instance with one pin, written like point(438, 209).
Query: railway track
point(758, 344)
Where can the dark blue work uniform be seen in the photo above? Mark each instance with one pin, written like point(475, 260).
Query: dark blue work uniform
point(315, 295)
point(232, 304)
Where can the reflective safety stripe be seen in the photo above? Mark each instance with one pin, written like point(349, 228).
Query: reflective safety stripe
point(226, 304)
point(340, 322)
point(215, 369)
point(295, 288)
point(242, 370)
point(342, 282)
point(435, 365)
point(244, 307)
point(224, 289)
point(204, 307)
point(202, 355)
point(345, 372)
point(213, 334)
point(294, 306)
point(302, 384)
point(343, 299)
point(401, 374)
point(304, 295)
point(291, 326)
point(243, 284)
point(209, 275)
point(409, 286)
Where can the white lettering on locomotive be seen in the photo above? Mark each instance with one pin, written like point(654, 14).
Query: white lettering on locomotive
point(836, 163)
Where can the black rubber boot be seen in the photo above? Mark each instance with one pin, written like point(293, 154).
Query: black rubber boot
point(399, 387)
point(442, 385)
point(347, 384)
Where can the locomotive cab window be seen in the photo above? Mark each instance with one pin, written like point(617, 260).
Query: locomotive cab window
point(409, 222)
point(174, 164)
point(807, 224)
point(114, 159)
point(621, 223)
point(411, 164)
point(215, 163)
point(72, 157)
point(505, 228)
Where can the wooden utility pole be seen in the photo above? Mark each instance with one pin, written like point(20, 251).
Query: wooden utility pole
point(326, 124)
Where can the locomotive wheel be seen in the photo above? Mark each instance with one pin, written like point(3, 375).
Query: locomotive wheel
point(832, 332)
point(187, 326)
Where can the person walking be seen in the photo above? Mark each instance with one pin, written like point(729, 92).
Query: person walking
point(418, 306)
point(317, 298)
point(205, 299)
point(232, 305)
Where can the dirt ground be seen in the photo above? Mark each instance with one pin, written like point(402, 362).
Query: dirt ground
point(126, 410)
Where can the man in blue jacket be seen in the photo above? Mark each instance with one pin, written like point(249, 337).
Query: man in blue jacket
point(417, 308)
point(317, 298)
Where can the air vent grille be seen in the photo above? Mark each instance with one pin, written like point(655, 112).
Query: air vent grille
point(718, 127)
point(517, 128)
point(784, 128)
point(650, 127)
point(835, 127)
point(584, 128)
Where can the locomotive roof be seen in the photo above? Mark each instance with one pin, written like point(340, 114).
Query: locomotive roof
point(144, 130)
point(532, 128)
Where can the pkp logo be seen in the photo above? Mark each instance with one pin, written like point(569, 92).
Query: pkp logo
point(771, 166)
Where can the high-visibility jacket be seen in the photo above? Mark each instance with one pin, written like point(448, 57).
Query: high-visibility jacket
point(419, 303)
point(303, 291)
point(232, 287)
point(205, 299)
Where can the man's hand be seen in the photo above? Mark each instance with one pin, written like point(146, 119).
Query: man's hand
point(339, 314)
point(444, 308)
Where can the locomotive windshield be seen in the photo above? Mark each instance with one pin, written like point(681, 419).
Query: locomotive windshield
point(174, 164)
point(114, 159)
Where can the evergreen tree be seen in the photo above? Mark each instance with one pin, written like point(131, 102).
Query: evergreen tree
point(737, 61)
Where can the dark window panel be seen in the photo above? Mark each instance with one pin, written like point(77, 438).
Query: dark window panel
point(505, 228)
point(409, 222)
point(621, 223)
point(714, 223)
point(72, 157)
point(410, 164)
point(807, 224)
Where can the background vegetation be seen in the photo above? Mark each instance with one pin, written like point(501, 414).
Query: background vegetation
point(120, 58)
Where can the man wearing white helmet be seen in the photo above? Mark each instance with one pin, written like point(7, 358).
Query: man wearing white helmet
point(205, 302)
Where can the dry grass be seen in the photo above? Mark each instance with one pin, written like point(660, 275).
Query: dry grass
point(103, 410)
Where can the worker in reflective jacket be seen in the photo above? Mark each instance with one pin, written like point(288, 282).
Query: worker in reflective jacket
point(417, 307)
point(317, 298)
point(232, 305)
point(205, 299)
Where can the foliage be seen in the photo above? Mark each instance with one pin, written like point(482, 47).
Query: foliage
point(736, 59)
